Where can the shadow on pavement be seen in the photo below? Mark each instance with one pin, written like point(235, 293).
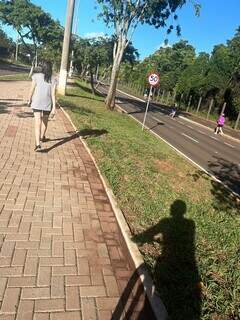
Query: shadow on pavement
point(25, 115)
point(4, 107)
point(10, 100)
point(175, 271)
point(82, 133)
point(133, 303)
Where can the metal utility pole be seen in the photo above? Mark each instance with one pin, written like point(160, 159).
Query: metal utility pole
point(74, 32)
point(65, 50)
point(17, 48)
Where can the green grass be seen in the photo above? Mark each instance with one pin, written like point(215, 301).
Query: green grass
point(184, 223)
point(15, 77)
point(18, 63)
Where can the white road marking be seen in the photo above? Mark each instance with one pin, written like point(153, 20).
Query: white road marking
point(201, 132)
point(190, 127)
point(158, 120)
point(181, 122)
point(214, 138)
point(228, 144)
point(183, 134)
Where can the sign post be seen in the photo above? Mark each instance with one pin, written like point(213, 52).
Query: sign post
point(153, 80)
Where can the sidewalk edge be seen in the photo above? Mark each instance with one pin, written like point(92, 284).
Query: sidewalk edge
point(149, 288)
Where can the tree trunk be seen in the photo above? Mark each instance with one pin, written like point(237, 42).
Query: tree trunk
point(92, 82)
point(110, 99)
point(117, 57)
point(83, 72)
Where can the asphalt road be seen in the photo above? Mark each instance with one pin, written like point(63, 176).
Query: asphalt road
point(218, 155)
point(10, 69)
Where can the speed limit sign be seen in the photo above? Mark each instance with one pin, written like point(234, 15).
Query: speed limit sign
point(154, 79)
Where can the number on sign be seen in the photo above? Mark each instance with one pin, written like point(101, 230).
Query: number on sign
point(153, 79)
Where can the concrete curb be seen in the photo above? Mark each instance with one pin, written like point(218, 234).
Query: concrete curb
point(149, 288)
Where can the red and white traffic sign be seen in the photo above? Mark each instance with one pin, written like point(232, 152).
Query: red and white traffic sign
point(154, 79)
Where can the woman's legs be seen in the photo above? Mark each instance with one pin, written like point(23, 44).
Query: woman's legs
point(217, 129)
point(37, 120)
point(44, 125)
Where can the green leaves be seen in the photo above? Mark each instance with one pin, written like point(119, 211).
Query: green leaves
point(152, 12)
point(31, 22)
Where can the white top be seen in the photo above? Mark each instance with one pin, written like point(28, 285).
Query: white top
point(42, 96)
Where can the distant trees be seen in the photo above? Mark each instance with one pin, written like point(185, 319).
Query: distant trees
point(212, 76)
point(6, 44)
point(36, 28)
point(124, 16)
point(95, 55)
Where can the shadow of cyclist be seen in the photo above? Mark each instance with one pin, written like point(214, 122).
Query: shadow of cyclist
point(175, 272)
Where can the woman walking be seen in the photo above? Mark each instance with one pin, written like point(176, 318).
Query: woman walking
point(42, 100)
point(220, 124)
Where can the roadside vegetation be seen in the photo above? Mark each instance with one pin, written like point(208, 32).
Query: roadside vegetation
point(185, 76)
point(184, 223)
point(15, 77)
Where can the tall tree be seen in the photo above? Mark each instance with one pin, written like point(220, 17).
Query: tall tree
point(96, 53)
point(6, 44)
point(124, 16)
point(31, 22)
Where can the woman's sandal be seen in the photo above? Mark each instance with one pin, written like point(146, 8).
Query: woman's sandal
point(37, 148)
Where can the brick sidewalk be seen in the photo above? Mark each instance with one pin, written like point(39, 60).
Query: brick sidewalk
point(61, 252)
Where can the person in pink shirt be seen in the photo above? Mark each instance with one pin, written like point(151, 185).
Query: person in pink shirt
point(220, 124)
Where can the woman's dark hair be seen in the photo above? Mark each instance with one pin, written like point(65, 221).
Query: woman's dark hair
point(47, 71)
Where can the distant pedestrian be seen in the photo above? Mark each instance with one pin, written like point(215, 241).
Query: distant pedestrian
point(42, 100)
point(173, 111)
point(220, 124)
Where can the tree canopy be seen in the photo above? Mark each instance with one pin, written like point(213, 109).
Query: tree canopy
point(6, 43)
point(215, 75)
point(32, 23)
point(124, 16)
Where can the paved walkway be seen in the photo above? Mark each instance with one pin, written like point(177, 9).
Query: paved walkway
point(61, 252)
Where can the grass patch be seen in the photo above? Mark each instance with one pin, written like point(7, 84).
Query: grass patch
point(15, 77)
point(184, 223)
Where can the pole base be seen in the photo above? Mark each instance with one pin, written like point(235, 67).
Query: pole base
point(62, 82)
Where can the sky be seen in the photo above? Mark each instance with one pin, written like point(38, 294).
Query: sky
point(217, 23)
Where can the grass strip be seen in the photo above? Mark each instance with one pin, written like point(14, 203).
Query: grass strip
point(15, 77)
point(185, 224)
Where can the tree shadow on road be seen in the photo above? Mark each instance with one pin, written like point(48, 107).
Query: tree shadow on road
point(229, 174)
point(175, 271)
